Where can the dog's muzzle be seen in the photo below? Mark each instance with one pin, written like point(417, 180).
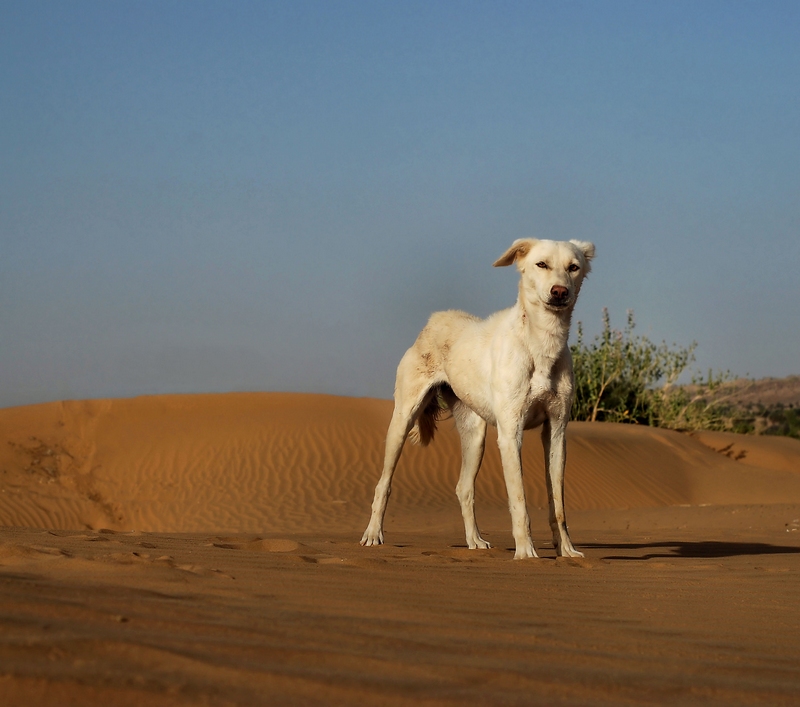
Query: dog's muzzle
point(559, 296)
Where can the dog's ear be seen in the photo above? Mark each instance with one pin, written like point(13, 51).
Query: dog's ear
point(519, 249)
point(586, 248)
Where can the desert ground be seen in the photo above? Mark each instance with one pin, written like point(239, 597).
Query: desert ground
point(203, 550)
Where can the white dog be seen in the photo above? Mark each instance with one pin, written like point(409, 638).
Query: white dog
point(513, 370)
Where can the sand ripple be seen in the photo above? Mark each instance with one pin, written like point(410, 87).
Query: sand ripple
point(271, 463)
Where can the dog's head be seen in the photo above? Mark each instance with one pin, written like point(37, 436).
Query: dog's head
point(551, 271)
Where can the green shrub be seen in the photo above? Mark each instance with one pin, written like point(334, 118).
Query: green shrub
point(623, 377)
point(783, 421)
point(775, 420)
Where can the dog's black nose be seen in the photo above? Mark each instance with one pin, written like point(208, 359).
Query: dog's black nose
point(559, 292)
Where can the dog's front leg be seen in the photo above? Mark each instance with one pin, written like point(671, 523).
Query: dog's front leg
point(554, 441)
point(509, 439)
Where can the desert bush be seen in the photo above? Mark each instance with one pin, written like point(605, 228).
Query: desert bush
point(773, 420)
point(623, 377)
point(783, 421)
point(615, 373)
point(702, 405)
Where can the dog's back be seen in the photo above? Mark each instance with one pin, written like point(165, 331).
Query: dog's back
point(441, 331)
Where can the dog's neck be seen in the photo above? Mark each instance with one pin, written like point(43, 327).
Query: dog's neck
point(544, 330)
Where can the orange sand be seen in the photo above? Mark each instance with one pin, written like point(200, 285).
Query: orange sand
point(203, 550)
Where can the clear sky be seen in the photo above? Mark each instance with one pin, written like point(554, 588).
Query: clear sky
point(212, 196)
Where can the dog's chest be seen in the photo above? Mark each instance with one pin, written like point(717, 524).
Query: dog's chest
point(543, 396)
point(541, 390)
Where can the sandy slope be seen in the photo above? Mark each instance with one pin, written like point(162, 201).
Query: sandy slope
point(295, 463)
point(203, 550)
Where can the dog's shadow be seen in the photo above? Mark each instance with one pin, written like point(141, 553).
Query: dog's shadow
point(699, 549)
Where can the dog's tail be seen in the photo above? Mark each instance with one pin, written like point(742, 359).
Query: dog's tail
point(438, 406)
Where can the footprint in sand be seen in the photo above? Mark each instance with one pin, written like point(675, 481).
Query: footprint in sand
point(10, 552)
point(144, 559)
point(295, 551)
point(259, 545)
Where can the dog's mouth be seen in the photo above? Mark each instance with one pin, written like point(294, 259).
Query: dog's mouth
point(558, 304)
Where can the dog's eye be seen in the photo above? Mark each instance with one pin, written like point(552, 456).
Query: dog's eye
point(541, 264)
point(573, 268)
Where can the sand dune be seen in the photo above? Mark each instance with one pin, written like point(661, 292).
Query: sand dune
point(182, 550)
point(294, 463)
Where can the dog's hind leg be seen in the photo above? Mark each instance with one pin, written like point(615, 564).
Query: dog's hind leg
point(399, 427)
point(554, 442)
point(410, 399)
point(472, 431)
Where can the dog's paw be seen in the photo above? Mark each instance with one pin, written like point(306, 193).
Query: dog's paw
point(524, 551)
point(371, 538)
point(569, 552)
point(478, 543)
point(567, 549)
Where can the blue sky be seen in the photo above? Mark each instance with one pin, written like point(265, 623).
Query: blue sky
point(212, 196)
